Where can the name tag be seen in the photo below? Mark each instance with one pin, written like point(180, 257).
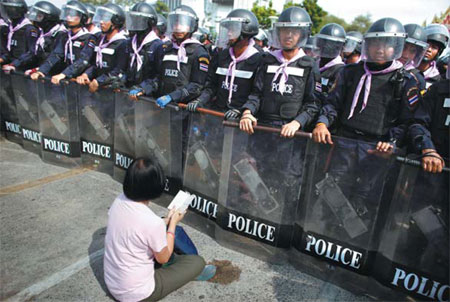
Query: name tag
point(324, 81)
point(174, 58)
point(76, 44)
point(290, 70)
point(108, 51)
point(447, 103)
point(237, 73)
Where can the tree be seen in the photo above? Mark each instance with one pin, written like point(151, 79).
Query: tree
point(314, 10)
point(263, 13)
point(333, 19)
point(95, 2)
point(361, 23)
point(161, 8)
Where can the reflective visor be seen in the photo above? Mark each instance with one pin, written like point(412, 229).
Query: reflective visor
point(137, 21)
point(102, 14)
point(229, 29)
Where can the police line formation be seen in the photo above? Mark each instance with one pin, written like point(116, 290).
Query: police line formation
point(349, 199)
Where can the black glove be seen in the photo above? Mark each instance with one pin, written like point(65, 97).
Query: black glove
point(232, 114)
point(194, 105)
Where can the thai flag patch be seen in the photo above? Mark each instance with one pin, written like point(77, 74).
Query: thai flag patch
point(318, 87)
point(413, 99)
point(204, 67)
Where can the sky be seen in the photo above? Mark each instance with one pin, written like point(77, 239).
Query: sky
point(406, 11)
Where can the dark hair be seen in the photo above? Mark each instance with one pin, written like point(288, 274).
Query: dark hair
point(144, 180)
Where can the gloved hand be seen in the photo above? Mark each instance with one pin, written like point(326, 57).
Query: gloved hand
point(194, 105)
point(135, 92)
point(232, 114)
point(8, 68)
point(163, 101)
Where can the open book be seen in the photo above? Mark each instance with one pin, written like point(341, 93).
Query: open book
point(181, 201)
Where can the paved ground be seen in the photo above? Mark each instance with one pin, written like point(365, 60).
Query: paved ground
point(52, 228)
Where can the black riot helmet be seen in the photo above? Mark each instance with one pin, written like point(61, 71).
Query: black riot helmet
point(415, 45)
point(161, 24)
point(239, 24)
point(14, 9)
point(383, 41)
point(201, 35)
point(141, 17)
point(73, 10)
point(262, 36)
point(91, 12)
point(330, 40)
point(437, 33)
point(353, 42)
point(293, 22)
point(183, 19)
point(44, 14)
point(110, 12)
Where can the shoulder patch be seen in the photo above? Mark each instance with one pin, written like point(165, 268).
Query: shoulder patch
point(203, 60)
point(413, 95)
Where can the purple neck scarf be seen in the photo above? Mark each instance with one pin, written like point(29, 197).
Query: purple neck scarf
point(68, 47)
point(366, 81)
point(229, 78)
point(41, 40)
point(95, 30)
point(151, 36)
point(335, 61)
point(431, 72)
point(3, 23)
point(12, 30)
point(182, 51)
point(99, 58)
point(409, 66)
point(282, 69)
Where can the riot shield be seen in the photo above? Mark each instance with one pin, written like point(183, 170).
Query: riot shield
point(260, 184)
point(202, 170)
point(124, 134)
point(337, 221)
point(159, 136)
point(26, 96)
point(58, 120)
point(9, 117)
point(96, 120)
point(413, 256)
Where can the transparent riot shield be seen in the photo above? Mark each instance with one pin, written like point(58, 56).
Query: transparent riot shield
point(413, 256)
point(124, 134)
point(202, 170)
point(260, 184)
point(9, 117)
point(159, 136)
point(26, 96)
point(336, 225)
point(58, 120)
point(96, 120)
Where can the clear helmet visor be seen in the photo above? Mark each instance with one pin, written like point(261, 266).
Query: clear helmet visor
point(197, 36)
point(35, 15)
point(327, 48)
point(136, 21)
point(102, 14)
point(413, 53)
point(350, 45)
point(70, 14)
point(382, 48)
point(180, 23)
point(290, 35)
point(229, 31)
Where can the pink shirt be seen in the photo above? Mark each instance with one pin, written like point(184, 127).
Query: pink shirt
point(134, 232)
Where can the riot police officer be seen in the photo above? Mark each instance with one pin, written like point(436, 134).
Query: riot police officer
point(329, 42)
point(45, 16)
point(284, 85)
point(352, 47)
point(90, 24)
point(371, 104)
point(437, 38)
point(261, 40)
point(233, 70)
point(111, 54)
point(161, 28)
point(185, 63)
point(415, 47)
point(20, 35)
point(75, 48)
point(145, 49)
point(310, 48)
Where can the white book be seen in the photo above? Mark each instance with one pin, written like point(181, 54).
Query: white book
point(181, 201)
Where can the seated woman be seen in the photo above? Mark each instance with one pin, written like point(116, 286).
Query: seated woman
point(136, 236)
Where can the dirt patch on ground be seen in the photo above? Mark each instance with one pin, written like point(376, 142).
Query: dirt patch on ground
point(226, 272)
